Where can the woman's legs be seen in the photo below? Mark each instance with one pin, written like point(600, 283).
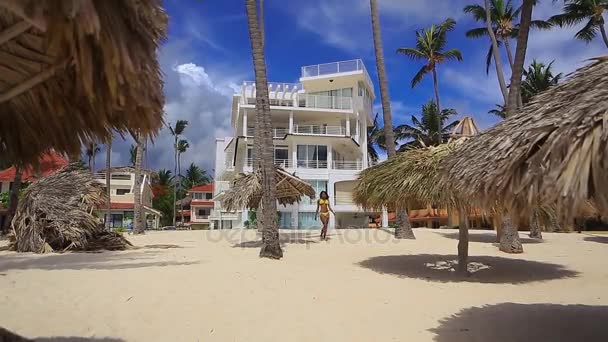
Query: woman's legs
point(324, 220)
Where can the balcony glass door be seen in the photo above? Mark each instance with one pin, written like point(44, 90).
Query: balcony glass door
point(312, 156)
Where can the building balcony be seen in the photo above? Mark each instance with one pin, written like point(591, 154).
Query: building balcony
point(282, 163)
point(322, 130)
point(325, 102)
point(277, 133)
point(347, 165)
point(352, 165)
point(334, 68)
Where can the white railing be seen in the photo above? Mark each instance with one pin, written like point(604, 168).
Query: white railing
point(284, 163)
point(347, 165)
point(319, 130)
point(312, 164)
point(325, 102)
point(276, 132)
point(277, 86)
point(333, 68)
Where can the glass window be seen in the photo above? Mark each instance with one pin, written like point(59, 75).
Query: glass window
point(123, 191)
point(203, 212)
point(208, 195)
point(308, 221)
point(318, 186)
point(281, 153)
point(312, 156)
point(284, 219)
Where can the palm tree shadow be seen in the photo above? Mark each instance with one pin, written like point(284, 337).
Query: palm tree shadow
point(285, 238)
point(509, 322)
point(8, 336)
point(483, 269)
point(598, 239)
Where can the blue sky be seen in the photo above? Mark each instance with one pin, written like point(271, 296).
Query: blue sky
point(207, 55)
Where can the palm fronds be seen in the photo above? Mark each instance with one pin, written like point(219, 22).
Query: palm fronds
point(55, 214)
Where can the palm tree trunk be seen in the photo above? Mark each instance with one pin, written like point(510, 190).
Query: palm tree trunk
point(404, 228)
point(14, 198)
point(93, 162)
point(463, 241)
point(179, 186)
point(508, 49)
point(89, 162)
point(496, 54)
point(604, 36)
point(520, 56)
point(263, 139)
point(261, 21)
point(108, 177)
point(509, 241)
point(175, 181)
point(535, 231)
point(436, 86)
point(138, 225)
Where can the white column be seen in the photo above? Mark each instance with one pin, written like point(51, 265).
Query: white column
point(348, 126)
point(245, 123)
point(358, 128)
point(330, 156)
point(384, 218)
point(294, 154)
point(291, 122)
point(363, 144)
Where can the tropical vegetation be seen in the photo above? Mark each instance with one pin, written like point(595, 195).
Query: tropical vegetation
point(590, 12)
point(425, 131)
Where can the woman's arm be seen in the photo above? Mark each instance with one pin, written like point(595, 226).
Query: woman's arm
point(317, 212)
point(330, 208)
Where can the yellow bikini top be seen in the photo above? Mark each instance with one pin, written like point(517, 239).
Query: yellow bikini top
point(323, 201)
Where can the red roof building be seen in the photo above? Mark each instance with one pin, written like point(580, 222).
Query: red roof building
point(49, 163)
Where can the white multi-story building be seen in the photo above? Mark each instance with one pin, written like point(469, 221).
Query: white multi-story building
point(320, 134)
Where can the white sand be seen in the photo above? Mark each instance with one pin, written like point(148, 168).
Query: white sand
point(362, 285)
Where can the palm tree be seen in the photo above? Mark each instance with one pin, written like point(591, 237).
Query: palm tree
point(263, 148)
point(91, 152)
point(195, 176)
point(404, 228)
point(430, 44)
point(176, 132)
point(108, 176)
point(539, 77)
point(579, 11)
point(139, 224)
point(164, 177)
point(133, 155)
point(503, 16)
point(514, 99)
point(425, 131)
point(182, 146)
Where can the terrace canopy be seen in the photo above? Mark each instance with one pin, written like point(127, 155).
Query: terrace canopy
point(555, 150)
point(246, 190)
point(73, 71)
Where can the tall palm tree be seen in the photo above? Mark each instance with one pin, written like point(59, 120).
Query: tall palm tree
point(425, 131)
point(263, 148)
point(164, 177)
point(430, 45)
point(91, 152)
point(404, 227)
point(499, 111)
point(539, 77)
point(525, 22)
point(182, 146)
point(176, 132)
point(138, 224)
point(108, 177)
point(503, 17)
point(579, 11)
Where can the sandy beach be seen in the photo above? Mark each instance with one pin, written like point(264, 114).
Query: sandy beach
point(361, 285)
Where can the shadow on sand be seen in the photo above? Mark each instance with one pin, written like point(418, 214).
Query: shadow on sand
point(7, 336)
point(509, 322)
point(487, 237)
point(483, 269)
point(296, 238)
point(595, 238)
point(80, 261)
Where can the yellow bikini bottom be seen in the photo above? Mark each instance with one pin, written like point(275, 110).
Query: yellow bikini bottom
point(325, 214)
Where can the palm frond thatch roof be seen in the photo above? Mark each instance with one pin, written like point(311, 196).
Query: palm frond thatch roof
point(246, 190)
point(555, 150)
point(412, 177)
point(73, 71)
point(55, 214)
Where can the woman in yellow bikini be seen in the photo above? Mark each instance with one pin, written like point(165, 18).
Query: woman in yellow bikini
point(325, 208)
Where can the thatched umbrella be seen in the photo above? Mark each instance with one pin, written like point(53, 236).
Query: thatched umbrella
point(413, 177)
point(554, 151)
point(55, 214)
point(79, 70)
point(246, 190)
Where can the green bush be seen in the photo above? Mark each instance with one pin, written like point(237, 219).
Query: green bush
point(120, 230)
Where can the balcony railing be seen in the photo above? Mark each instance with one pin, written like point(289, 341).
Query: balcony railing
point(283, 163)
point(347, 165)
point(277, 86)
point(312, 164)
point(276, 132)
point(319, 130)
point(325, 102)
point(335, 68)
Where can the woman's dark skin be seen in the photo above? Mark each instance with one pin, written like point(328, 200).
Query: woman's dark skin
point(324, 208)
